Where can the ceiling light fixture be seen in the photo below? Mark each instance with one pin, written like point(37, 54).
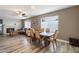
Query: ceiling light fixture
point(21, 13)
point(18, 12)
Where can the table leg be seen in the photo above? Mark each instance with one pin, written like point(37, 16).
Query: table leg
point(42, 43)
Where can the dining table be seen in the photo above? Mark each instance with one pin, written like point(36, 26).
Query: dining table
point(46, 34)
point(45, 37)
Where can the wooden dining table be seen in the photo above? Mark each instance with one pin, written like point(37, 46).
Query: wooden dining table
point(45, 36)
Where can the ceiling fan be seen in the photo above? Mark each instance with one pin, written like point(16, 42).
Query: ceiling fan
point(21, 14)
point(24, 14)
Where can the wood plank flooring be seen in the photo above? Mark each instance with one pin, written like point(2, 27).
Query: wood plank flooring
point(18, 44)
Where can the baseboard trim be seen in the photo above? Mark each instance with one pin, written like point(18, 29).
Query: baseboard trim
point(62, 40)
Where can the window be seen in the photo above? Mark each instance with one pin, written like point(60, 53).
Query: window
point(50, 22)
point(27, 24)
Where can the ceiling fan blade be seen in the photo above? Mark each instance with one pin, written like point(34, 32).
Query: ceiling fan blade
point(24, 15)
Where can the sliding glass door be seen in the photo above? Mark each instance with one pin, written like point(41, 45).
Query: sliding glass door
point(1, 26)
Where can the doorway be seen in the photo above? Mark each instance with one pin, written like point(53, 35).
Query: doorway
point(1, 26)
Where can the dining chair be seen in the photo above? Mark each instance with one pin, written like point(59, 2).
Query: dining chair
point(33, 30)
point(53, 40)
point(28, 32)
point(32, 36)
point(37, 37)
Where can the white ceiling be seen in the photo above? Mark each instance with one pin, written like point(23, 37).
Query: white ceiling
point(10, 10)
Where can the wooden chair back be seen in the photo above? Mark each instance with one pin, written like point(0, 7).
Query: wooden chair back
point(31, 33)
point(37, 35)
point(28, 32)
point(56, 34)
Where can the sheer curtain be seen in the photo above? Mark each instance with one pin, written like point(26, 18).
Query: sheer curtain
point(53, 25)
point(50, 22)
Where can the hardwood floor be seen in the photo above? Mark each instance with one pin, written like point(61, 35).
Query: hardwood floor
point(18, 44)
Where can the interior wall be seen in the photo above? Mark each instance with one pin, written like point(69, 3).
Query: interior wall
point(11, 23)
point(36, 23)
point(68, 22)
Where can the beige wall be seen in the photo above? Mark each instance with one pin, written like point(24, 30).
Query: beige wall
point(68, 22)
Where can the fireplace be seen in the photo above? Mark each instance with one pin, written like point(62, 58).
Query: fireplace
point(74, 41)
point(8, 30)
